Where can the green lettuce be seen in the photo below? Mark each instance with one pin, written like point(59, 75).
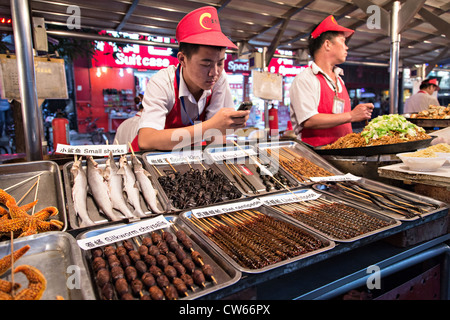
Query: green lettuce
point(389, 125)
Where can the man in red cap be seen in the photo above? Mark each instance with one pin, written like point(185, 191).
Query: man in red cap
point(320, 105)
point(424, 98)
point(191, 102)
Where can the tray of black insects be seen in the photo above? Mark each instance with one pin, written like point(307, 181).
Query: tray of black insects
point(252, 237)
point(190, 182)
point(253, 174)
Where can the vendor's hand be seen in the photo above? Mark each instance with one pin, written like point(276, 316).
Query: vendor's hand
point(228, 118)
point(362, 112)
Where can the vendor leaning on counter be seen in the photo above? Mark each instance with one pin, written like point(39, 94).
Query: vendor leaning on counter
point(424, 98)
point(320, 105)
point(195, 90)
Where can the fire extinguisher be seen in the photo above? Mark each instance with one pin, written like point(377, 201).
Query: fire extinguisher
point(273, 121)
point(60, 128)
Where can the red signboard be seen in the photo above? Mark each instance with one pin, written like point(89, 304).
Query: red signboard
point(133, 56)
point(155, 58)
point(282, 66)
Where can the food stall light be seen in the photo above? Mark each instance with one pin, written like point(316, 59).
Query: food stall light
point(99, 73)
point(104, 69)
point(121, 73)
point(129, 70)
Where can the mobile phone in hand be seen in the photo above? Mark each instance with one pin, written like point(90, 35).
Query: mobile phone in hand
point(246, 105)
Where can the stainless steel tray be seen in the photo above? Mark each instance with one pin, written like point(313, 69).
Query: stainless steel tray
point(224, 274)
point(49, 193)
point(93, 210)
point(57, 255)
point(393, 223)
point(326, 243)
point(246, 166)
point(378, 186)
point(161, 169)
point(301, 151)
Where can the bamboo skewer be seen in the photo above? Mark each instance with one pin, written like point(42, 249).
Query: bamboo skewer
point(36, 193)
point(12, 264)
point(29, 190)
point(167, 160)
point(24, 181)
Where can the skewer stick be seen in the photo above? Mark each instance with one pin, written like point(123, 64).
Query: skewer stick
point(137, 242)
point(204, 168)
point(154, 167)
point(187, 161)
point(29, 190)
point(167, 160)
point(22, 182)
point(12, 264)
point(131, 148)
point(36, 193)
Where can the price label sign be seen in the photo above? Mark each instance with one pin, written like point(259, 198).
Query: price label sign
point(304, 195)
point(346, 177)
point(212, 211)
point(90, 150)
point(175, 158)
point(124, 233)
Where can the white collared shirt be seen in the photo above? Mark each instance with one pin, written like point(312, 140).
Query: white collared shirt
point(128, 129)
point(419, 102)
point(305, 94)
point(159, 98)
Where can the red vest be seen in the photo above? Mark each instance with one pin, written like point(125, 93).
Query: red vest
point(319, 137)
point(174, 119)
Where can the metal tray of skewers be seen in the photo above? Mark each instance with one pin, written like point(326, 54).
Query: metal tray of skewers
point(53, 258)
point(169, 263)
point(111, 189)
point(394, 202)
point(336, 219)
point(189, 181)
point(298, 160)
point(253, 174)
point(37, 181)
point(255, 239)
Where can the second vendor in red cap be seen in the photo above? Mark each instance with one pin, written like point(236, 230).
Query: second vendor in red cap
point(320, 107)
point(190, 102)
point(422, 100)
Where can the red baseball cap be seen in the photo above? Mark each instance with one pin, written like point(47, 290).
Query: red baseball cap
point(330, 24)
point(202, 26)
point(433, 81)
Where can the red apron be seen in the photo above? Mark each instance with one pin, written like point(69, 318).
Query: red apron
point(319, 137)
point(174, 119)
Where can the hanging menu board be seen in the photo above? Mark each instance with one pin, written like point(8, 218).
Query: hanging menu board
point(50, 78)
